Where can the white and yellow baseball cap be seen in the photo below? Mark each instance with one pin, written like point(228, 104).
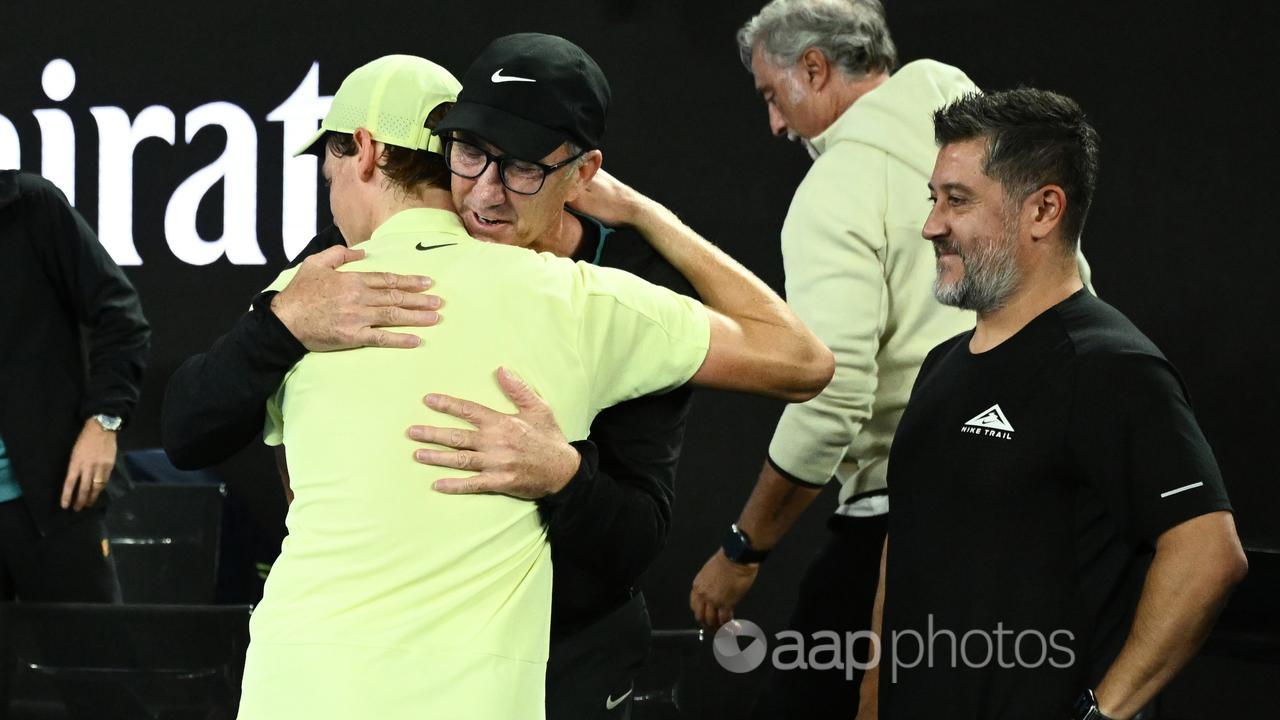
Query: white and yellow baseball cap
point(390, 97)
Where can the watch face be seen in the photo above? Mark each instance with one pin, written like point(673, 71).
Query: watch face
point(737, 547)
point(108, 422)
point(734, 544)
point(1084, 706)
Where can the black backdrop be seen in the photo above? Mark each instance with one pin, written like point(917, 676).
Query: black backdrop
point(1178, 238)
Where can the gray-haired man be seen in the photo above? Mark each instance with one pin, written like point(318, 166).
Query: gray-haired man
point(859, 275)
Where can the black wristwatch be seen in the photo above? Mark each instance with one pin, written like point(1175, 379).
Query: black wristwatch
point(1086, 708)
point(737, 547)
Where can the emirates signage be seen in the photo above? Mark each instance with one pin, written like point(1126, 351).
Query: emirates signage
point(297, 116)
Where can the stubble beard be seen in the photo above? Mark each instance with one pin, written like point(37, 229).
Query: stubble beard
point(795, 96)
point(990, 278)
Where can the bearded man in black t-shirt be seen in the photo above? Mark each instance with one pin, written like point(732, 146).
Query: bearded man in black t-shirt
point(1061, 541)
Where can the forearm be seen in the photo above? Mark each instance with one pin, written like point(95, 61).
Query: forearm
point(1185, 590)
point(779, 341)
point(119, 338)
point(722, 282)
point(215, 402)
point(604, 524)
point(117, 360)
point(776, 503)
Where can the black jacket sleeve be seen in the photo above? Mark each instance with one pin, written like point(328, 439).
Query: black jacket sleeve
point(215, 402)
point(612, 518)
point(104, 301)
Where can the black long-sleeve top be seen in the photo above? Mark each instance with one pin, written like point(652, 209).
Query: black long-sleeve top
point(55, 278)
point(605, 526)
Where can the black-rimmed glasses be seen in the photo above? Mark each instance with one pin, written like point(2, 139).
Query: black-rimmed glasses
point(522, 177)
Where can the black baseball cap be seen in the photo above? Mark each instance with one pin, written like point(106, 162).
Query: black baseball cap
point(528, 93)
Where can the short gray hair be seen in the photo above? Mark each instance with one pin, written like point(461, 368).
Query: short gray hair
point(852, 34)
point(575, 150)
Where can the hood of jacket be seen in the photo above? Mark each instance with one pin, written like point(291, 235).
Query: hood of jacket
point(897, 117)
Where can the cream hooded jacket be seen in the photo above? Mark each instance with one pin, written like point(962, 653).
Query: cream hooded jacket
point(860, 274)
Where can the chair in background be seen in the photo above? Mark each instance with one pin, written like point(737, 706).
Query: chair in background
point(668, 686)
point(77, 661)
point(165, 531)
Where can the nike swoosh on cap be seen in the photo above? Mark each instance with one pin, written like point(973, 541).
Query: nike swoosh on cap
point(610, 703)
point(420, 246)
point(498, 77)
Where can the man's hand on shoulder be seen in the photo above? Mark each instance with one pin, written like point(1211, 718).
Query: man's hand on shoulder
point(523, 455)
point(330, 310)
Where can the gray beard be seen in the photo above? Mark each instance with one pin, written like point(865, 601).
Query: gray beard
point(804, 142)
point(990, 278)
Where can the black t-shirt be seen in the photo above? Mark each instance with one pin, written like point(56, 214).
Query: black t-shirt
point(1029, 484)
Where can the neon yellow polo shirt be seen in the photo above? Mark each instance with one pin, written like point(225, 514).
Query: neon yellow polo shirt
point(390, 600)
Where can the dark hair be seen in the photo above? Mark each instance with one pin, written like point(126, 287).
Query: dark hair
point(404, 167)
point(1034, 138)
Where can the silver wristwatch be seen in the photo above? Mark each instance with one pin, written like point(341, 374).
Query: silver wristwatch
point(110, 423)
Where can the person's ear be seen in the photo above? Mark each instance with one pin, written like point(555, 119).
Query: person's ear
point(816, 67)
point(368, 151)
point(587, 168)
point(1045, 211)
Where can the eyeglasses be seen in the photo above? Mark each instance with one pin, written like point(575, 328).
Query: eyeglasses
point(522, 177)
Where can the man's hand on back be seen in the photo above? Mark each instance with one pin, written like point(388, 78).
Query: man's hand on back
point(523, 455)
point(330, 310)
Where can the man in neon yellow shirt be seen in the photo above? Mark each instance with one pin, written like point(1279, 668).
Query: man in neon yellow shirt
point(390, 600)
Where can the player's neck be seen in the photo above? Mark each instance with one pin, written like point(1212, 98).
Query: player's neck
point(388, 203)
point(393, 201)
point(1037, 292)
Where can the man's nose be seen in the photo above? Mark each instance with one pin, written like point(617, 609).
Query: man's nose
point(934, 227)
point(489, 187)
point(776, 123)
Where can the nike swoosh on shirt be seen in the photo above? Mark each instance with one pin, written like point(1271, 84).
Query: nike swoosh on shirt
point(498, 77)
point(1184, 488)
point(420, 246)
point(610, 703)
